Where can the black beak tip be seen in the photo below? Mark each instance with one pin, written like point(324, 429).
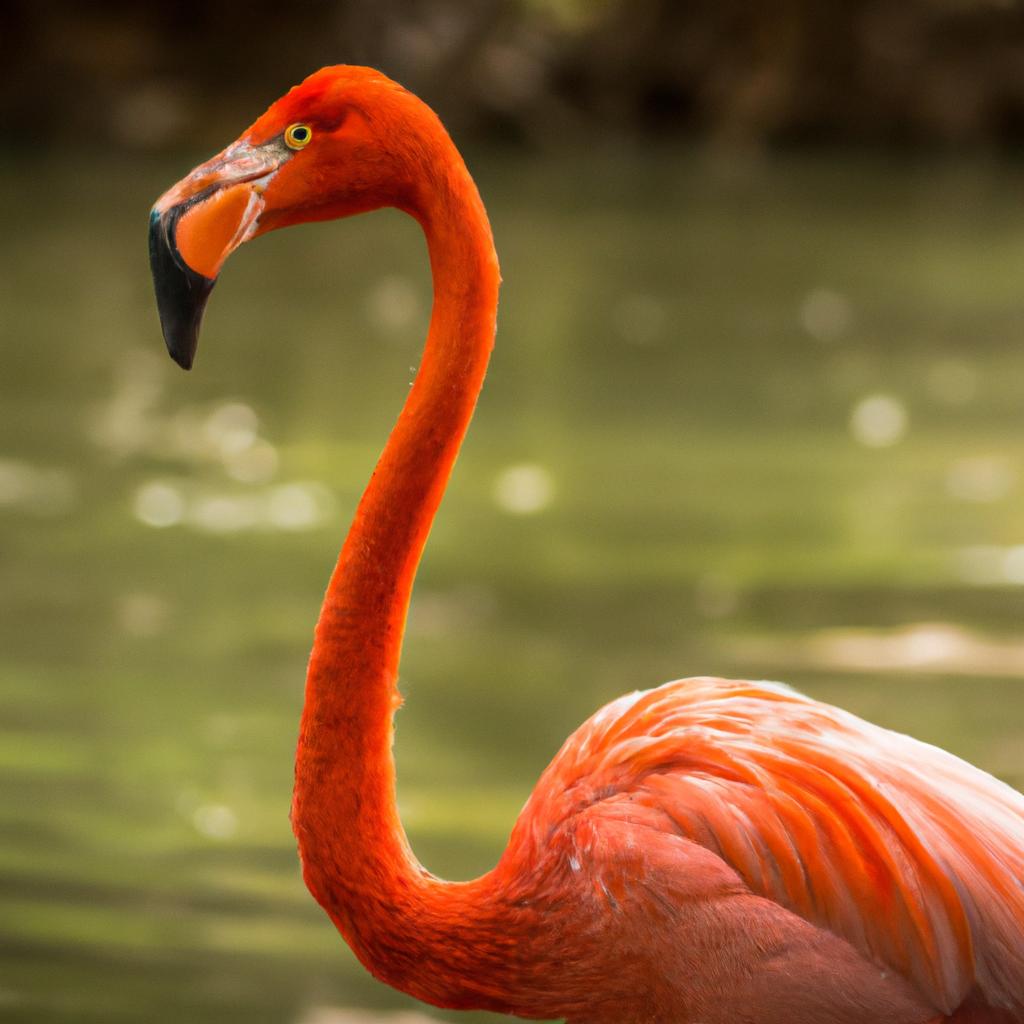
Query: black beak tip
point(181, 293)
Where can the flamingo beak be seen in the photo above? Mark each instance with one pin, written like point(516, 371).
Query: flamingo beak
point(195, 226)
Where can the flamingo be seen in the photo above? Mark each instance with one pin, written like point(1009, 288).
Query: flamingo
point(705, 852)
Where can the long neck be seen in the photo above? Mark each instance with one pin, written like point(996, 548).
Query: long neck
point(356, 858)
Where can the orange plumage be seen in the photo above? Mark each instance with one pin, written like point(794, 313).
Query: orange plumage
point(909, 854)
point(708, 852)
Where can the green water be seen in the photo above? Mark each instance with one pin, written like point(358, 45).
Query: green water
point(762, 421)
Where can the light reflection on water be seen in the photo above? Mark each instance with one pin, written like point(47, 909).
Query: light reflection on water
point(734, 424)
point(879, 421)
point(299, 505)
point(37, 490)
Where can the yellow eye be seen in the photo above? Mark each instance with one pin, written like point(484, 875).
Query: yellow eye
point(297, 135)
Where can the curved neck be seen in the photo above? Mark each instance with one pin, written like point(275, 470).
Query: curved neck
point(356, 859)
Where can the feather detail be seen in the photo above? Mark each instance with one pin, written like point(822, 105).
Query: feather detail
point(910, 854)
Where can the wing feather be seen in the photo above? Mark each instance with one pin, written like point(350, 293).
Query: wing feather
point(909, 853)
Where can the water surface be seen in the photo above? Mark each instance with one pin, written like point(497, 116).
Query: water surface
point(763, 421)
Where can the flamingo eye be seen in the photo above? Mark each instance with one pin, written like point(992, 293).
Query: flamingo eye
point(297, 136)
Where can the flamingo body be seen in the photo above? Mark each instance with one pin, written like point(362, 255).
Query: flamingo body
point(871, 863)
point(708, 852)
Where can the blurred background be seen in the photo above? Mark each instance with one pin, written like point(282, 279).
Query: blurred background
point(756, 409)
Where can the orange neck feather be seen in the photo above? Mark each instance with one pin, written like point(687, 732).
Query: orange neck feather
point(407, 927)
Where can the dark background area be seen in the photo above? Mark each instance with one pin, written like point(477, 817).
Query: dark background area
point(732, 73)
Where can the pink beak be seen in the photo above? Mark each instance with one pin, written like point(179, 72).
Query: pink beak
point(193, 228)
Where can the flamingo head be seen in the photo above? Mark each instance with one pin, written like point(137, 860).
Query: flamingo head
point(344, 141)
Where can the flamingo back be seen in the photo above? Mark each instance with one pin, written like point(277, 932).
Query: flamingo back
point(910, 854)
